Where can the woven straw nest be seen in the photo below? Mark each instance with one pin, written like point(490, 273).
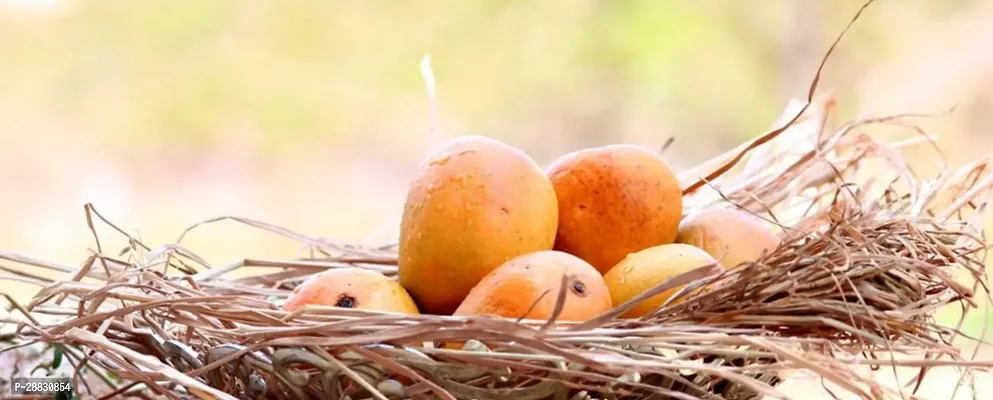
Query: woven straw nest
point(868, 259)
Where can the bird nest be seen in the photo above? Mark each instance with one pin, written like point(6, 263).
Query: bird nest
point(871, 252)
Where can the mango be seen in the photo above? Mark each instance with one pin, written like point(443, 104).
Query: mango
point(646, 269)
point(474, 204)
point(528, 286)
point(614, 200)
point(730, 235)
point(352, 288)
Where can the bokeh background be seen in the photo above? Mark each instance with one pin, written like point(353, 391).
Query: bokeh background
point(313, 114)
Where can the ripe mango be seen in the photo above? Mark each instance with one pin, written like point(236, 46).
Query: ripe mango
point(614, 200)
point(646, 269)
point(736, 235)
point(352, 288)
point(473, 205)
point(528, 286)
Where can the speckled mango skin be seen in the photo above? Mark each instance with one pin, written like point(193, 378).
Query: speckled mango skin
point(474, 204)
point(614, 200)
point(733, 236)
point(535, 280)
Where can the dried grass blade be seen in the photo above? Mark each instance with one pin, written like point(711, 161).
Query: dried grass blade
point(93, 340)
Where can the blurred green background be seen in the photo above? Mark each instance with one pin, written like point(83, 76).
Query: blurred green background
point(313, 114)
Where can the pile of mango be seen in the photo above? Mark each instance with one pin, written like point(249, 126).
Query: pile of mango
point(486, 231)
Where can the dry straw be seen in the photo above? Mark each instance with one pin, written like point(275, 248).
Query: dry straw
point(866, 261)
